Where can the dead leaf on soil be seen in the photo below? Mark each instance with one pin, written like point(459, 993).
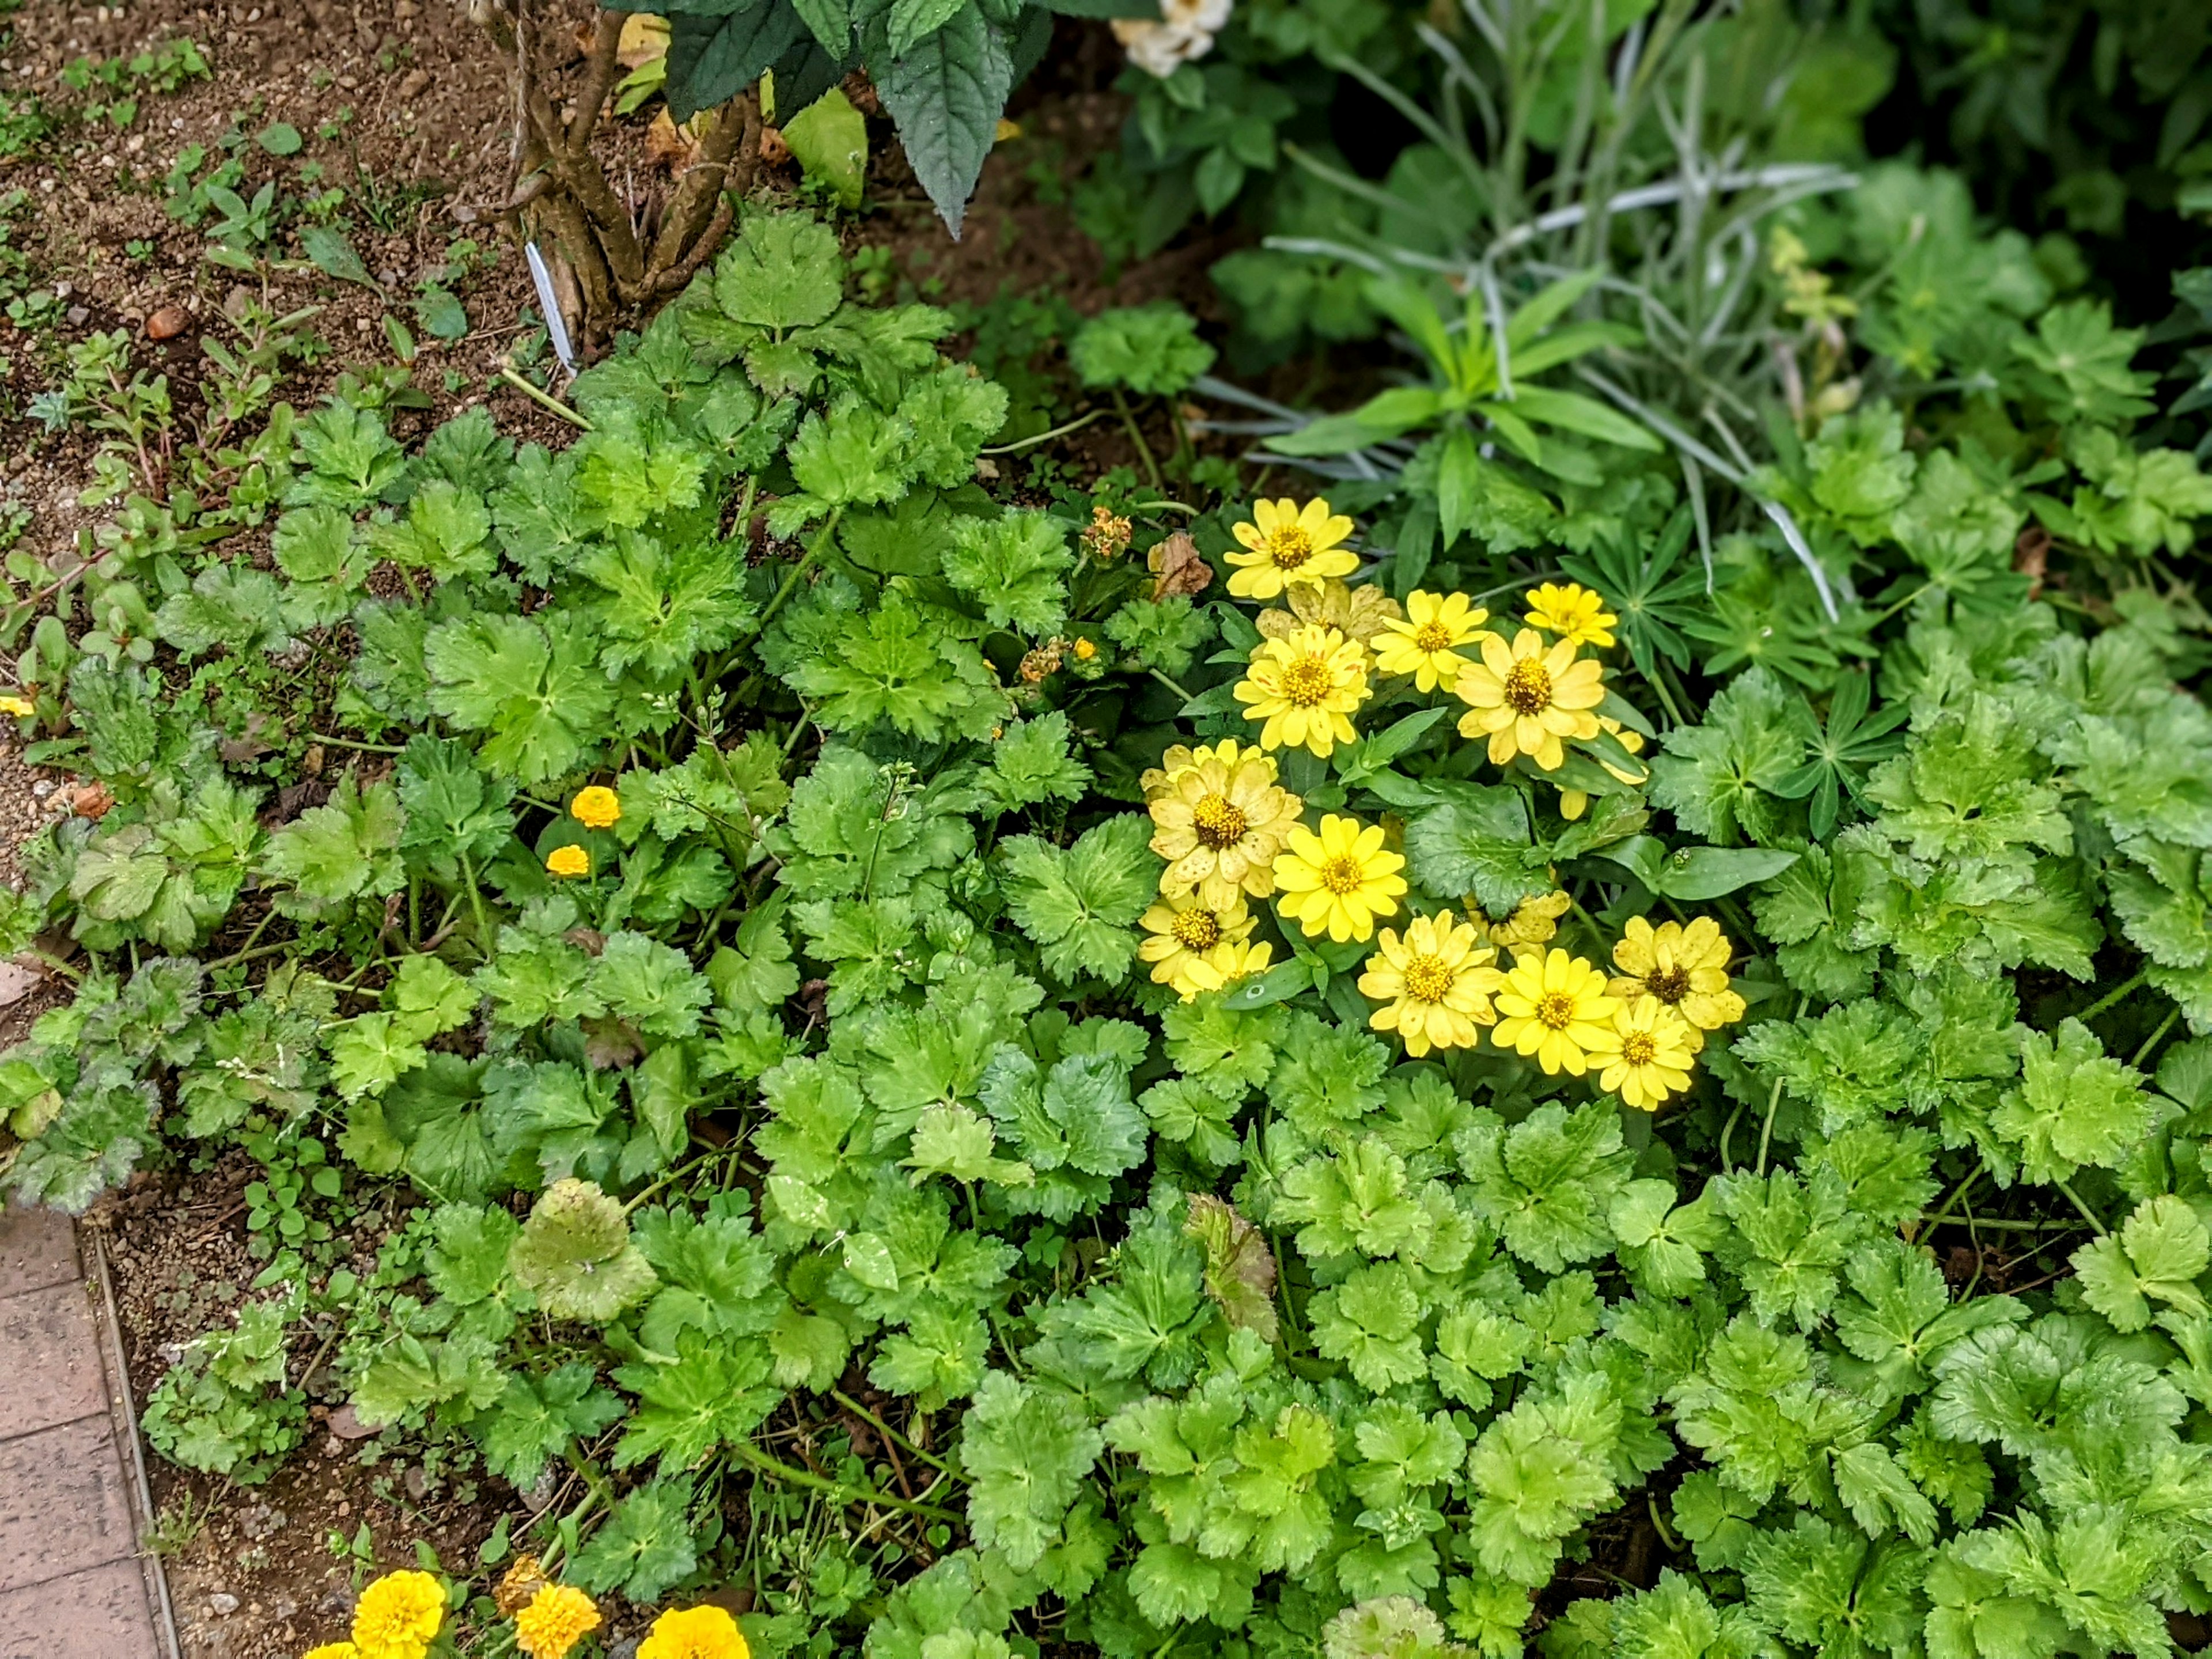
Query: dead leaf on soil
point(16, 983)
point(667, 145)
point(1178, 567)
point(644, 37)
point(87, 800)
point(347, 1426)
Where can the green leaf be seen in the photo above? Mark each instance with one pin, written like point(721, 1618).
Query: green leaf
point(645, 1548)
point(714, 57)
point(1153, 350)
point(2076, 1105)
point(713, 1393)
point(539, 1418)
point(780, 270)
point(330, 252)
point(829, 139)
point(575, 1252)
point(946, 92)
point(1079, 903)
point(1014, 566)
point(346, 849)
point(2157, 1254)
point(1024, 1449)
point(532, 683)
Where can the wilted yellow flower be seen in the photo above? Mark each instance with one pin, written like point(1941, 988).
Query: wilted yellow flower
point(567, 861)
point(20, 708)
point(1106, 534)
point(1338, 881)
point(1571, 610)
point(1220, 819)
point(518, 1584)
point(1437, 983)
point(596, 807)
point(1424, 645)
point(1526, 698)
point(1284, 544)
point(1684, 968)
point(1183, 933)
point(1358, 613)
point(1651, 1056)
point(1179, 758)
point(1534, 920)
point(1235, 959)
point(1555, 1007)
point(1304, 689)
point(398, 1616)
point(333, 1650)
point(558, 1617)
point(694, 1633)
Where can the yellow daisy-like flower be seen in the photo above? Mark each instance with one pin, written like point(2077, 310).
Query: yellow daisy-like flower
point(568, 861)
point(334, 1650)
point(596, 807)
point(558, 1617)
point(1304, 688)
point(20, 708)
point(1534, 920)
point(1556, 1007)
point(1358, 613)
point(1286, 543)
point(1571, 610)
point(1425, 644)
point(1179, 759)
point(694, 1633)
point(1235, 959)
point(1338, 881)
point(1437, 983)
point(1684, 968)
point(1220, 821)
point(1652, 1055)
point(398, 1616)
point(1526, 698)
point(1184, 935)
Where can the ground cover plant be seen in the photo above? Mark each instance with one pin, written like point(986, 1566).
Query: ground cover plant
point(1528, 1017)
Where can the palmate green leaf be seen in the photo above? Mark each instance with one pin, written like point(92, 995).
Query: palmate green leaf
point(1030, 763)
point(645, 1546)
point(952, 412)
point(1080, 902)
point(1370, 1322)
point(1153, 349)
point(1548, 1182)
point(665, 605)
point(631, 470)
point(1013, 567)
point(1146, 1322)
point(346, 849)
point(2163, 1248)
point(1830, 1588)
point(780, 270)
point(575, 1254)
point(532, 683)
point(1721, 778)
point(902, 665)
point(1537, 1472)
point(453, 811)
point(716, 1392)
point(1024, 1449)
point(651, 985)
point(2074, 1105)
point(537, 1418)
point(941, 1355)
point(231, 605)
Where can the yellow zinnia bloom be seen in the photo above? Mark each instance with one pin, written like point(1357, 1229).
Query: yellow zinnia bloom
point(1571, 610)
point(334, 1650)
point(1180, 758)
point(569, 860)
point(1684, 968)
point(596, 807)
point(1422, 644)
point(1284, 544)
point(1235, 959)
point(1556, 1007)
point(1527, 698)
point(1184, 933)
point(1651, 1056)
point(1534, 920)
point(694, 1633)
point(557, 1617)
point(1303, 687)
point(398, 1616)
point(1220, 821)
point(1436, 983)
point(1338, 881)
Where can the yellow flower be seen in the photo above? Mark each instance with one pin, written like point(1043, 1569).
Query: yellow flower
point(694, 1633)
point(1185, 935)
point(334, 1650)
point(1179, 759)
point(1085, 650)
point(1284, 544)
point(1338, 881)
point(1651, 1055)
point(569, 860)
point(1422, 644)
point(1684, 968)
point(596, 807)
point(1534, 920)
point(1219, 820)
point(1303, 687)
point(1527, 698)
point(1571, 610)
point(20, 708)
point(1235, 959)
point(1436, 981)
point(1358, 613)
point(1555, 1007)
point(398, 1615)
point(557, 1617)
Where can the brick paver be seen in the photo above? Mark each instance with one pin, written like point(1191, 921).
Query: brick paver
point(72, 1583)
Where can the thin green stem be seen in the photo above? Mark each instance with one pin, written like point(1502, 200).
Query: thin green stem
point(1019, 444)
point(545, 399)
point(2155, 1038)
point(777, 1470)
point(2113, 995)
point(1169, 683)
point(476, 905)
point(2087, 1214)
point(350, 742)
point(1137, 437)
point(820, 540)
point(885, 1428)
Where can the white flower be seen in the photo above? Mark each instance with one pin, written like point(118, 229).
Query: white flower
point(1184, 34)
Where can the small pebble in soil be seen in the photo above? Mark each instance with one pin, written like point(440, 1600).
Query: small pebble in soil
point(222, 1604)
point(168, 323)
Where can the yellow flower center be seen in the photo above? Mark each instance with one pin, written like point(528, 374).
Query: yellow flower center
point(1639, 1048)
point(1290, 547)
point(1342, 876)
point(1196, 930)
point(1528, 687)
point(1556, 1009)
point(1670, 984)
point(1432, 636)
point(1218, 823)
point(1305, 683)
point(1427, 979)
